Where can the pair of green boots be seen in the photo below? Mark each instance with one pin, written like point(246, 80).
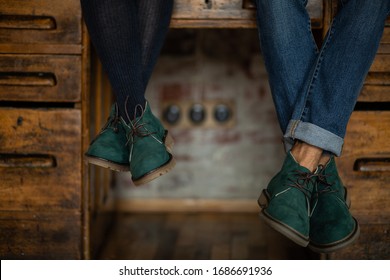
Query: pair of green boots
point(141, 146)
point(310, 208)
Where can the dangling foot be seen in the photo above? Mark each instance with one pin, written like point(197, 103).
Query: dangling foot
point(150, 146)
point(286, 201)
point(332, 226)
point(109, 148)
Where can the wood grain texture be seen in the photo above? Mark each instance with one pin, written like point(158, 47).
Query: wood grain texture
point(373, 244)
point(197, 236)
point(41, 133)
point(40, 235)
point(227, 14)
point(40, 78)
point(367, 138)
point(40, 21)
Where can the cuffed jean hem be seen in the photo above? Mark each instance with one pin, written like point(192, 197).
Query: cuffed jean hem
point(313, 135)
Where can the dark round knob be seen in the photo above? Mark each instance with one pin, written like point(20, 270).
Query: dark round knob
point(172, 114)
point(197, 113)
point(222, 113)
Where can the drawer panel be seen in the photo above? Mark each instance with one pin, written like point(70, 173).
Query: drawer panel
point(376, 87)
point(40, 21)
point(381, 63)
point(386, 36)
point(47, 78)
point(365, 165)
point(40, 235)
point(40, 159)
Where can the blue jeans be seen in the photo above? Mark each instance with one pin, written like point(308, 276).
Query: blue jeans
point(315, 90)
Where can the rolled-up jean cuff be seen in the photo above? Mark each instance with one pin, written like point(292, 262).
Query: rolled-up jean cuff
point(313, 135)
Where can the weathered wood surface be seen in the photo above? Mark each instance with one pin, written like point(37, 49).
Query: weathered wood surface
point(365, 166)
point(227, 14)
point(41, 78)
point(40, 22)
point(40, 235)
point(40, 159)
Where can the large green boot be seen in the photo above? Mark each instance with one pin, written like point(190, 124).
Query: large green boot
point(149, 144)
point(332, 226)
point(286, 201)
point(109, 148)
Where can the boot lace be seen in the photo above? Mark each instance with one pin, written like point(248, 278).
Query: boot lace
point(322, 179)
point(137, 129)
point(301, 181)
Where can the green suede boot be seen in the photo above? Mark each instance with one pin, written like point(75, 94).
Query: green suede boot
point(109, 148)
point(332, 226)
point(150, 145)
point(286, 201)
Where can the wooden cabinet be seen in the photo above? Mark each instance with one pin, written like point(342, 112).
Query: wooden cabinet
point(44, 130)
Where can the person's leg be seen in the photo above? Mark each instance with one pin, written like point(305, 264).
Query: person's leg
point(322, 111)
point(154, 17)
point(322, 116)
point(292, 86)
point(128, 36)
point(341, 68)
point(289, 51)
point(114, 31)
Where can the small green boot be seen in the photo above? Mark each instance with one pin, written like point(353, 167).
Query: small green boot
point(109, 148)
point(150, 145)
point(332, 226)
point(286, 201)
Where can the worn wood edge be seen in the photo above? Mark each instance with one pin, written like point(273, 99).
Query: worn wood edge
point(182, 205)
point(40, 48)
point(224, 23)
point(85, 103)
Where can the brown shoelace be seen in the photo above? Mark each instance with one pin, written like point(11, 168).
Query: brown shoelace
point(137, 129)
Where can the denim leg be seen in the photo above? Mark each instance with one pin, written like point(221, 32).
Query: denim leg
point(289, 51)
point(321, 117)
point(317, 91)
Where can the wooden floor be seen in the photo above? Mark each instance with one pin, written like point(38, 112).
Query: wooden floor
point(196, 236)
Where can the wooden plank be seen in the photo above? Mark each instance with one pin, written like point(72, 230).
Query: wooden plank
point(227, 14)
point(376, 87)
point(210, 236)
point(40, 48)
point(381, 63)
point(373, 244)
point(40, 235)
point(183, 205)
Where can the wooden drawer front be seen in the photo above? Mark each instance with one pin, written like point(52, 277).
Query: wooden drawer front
point(377, 84)
point(365, 166)
point(40, 78)
point(40, 21)
point(386, 35)
point(40, 235)
point(227, 13)
point(40, 159)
